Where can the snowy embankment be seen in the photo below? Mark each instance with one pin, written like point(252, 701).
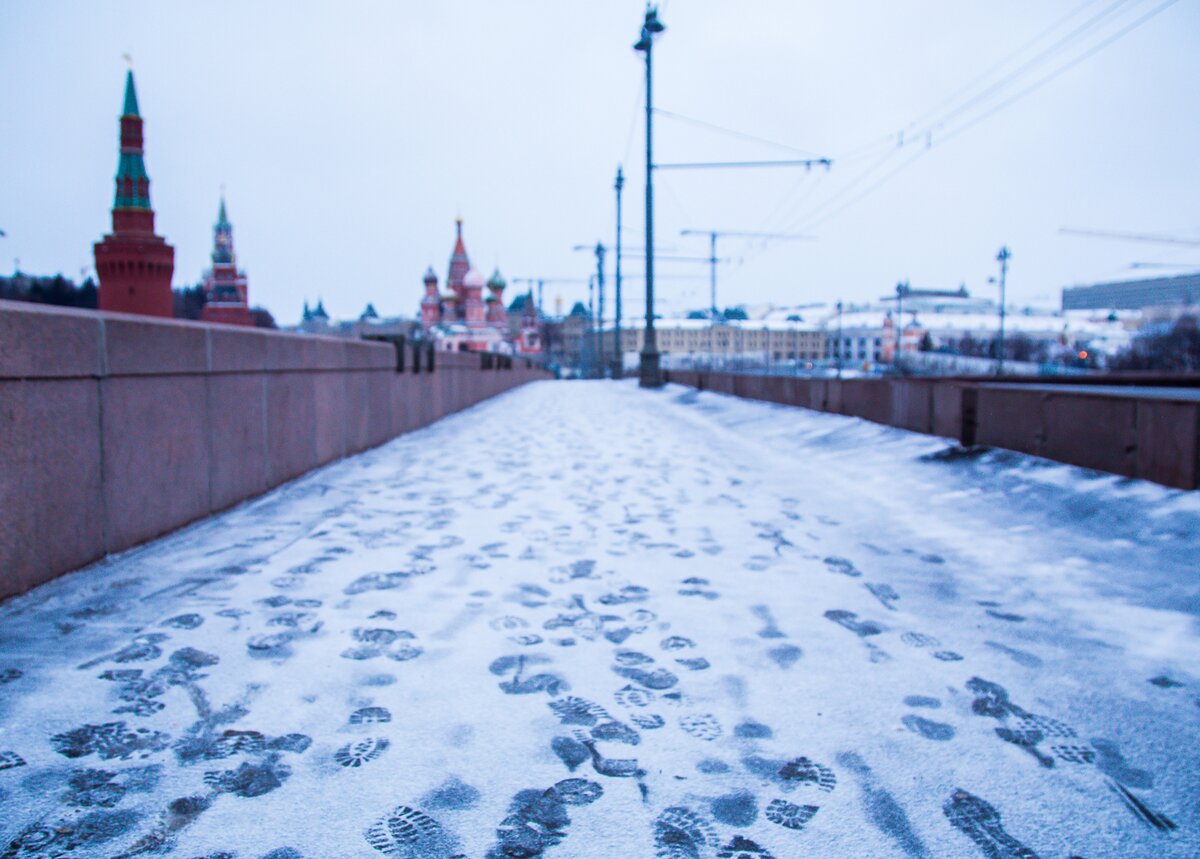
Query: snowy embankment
point(585, 620)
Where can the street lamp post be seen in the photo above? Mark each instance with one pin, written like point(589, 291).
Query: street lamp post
point(618, 365)
point(588, 347)
point(650, 375)
point(839, 340)
point(1002, 258)
point(600, 310)
point(901, 289)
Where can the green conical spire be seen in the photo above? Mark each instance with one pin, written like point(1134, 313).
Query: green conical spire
point(131, 107)
point(133, 185)
point(222, 236)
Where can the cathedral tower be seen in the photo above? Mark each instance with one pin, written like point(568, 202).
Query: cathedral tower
point(460, 264)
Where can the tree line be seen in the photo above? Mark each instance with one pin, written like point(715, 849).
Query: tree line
point(188, 302)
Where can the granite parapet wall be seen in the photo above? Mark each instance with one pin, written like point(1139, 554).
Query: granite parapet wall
point(115, 429)
point(1134, 431)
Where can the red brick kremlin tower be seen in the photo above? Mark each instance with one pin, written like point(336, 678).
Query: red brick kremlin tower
point(224, 285)
point(134, 265)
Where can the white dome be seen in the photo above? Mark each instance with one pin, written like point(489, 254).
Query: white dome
point(474, 278)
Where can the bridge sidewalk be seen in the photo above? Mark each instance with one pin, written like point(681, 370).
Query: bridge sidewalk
point(586, 620)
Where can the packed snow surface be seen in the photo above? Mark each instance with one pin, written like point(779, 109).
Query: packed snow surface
point(587, 620)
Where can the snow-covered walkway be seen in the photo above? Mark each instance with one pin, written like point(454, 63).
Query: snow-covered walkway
point(586, 620)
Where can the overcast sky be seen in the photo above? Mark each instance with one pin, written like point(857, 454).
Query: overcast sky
point(348, 136)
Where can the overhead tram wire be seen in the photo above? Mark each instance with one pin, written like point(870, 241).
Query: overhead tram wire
point(810, 225)
point(712, 126)
point(841, 192)
point(1090, 52)
point(896, 140)
point(633, 120)
point(1080, 32)
point(923, 133)
point(983, 76)
point(807, 224)
point(791, 201)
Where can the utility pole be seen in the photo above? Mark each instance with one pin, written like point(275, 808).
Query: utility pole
point(589, 330)
point(712, 276)
point(713, 235)
point(618, 365)
point(901, 288)
point(1002, 258)
point(839, 340)
point(650, 375)
point(651, 360)
point(600, 310)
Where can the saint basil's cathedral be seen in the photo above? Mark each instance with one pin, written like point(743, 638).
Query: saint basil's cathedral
point(463, 320)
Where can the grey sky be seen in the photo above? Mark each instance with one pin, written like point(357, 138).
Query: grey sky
point(349, 135)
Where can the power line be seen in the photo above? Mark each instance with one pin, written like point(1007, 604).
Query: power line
point(807, 163)
point(790, 201)
point(1095, 49)
point(896, 140)
point(926, 131)
point(845, 189)
point(807, 223)
point(637, 109)
point(1038, 59)
point(870, 189)
point(732, 132)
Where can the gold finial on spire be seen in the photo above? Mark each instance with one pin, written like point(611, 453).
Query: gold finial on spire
point(128, 60)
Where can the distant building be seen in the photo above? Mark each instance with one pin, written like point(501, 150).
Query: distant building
point(525, 325)
point(134, 264)
point(866, 334)
point(1134, 294)
point(225, 298)
point(314, 318)
point(459, 319)
point(768, 339)
point(369, 323)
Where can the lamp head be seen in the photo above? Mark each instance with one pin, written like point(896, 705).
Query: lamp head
point(651, 27)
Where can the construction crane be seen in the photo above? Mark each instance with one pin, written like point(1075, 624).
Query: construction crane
point(713, 235)
point(1166, 265)
point(1153, 238)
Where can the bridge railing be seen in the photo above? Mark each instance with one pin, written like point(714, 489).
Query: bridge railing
point(1133, 427)
point(115, 429)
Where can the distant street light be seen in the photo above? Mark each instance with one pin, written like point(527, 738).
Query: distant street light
point(1002, 258)
point(901, 288)
point(650, 375)
point(618, 365)
point(839, 340)
point(597, 323)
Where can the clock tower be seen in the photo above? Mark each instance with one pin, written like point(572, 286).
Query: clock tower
point(225, 286)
